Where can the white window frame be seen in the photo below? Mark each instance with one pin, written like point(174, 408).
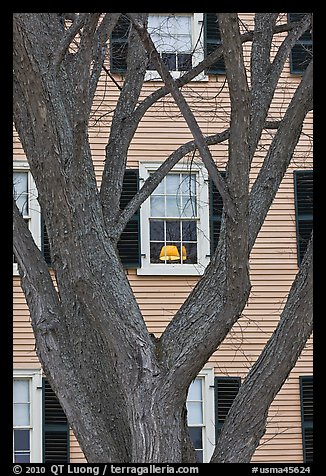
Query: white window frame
point(203, 242)
point(34, 376)
point(208, 428)
point(197, 30)
point(34, 210)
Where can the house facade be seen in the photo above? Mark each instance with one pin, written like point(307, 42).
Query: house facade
point(167, 245)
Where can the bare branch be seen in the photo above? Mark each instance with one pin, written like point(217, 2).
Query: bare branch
point(199, 68)
point(279, 155)
point(246, 421)
point(155, 178)
point(36, 279)
point(122, 128)
point(187, 114)
point(265, 75)
point(238, 162)
point(67, 39)
point(102, 34)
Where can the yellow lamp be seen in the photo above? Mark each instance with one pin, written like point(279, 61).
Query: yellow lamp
point(184, 253)
point(169, 253)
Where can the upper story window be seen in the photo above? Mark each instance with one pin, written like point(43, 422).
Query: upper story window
point(175, 223)
point(25, 195)
point(172, 36)
point(182, 39)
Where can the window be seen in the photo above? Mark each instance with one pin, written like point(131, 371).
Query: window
point(178, 38)
point(27, 414)
point(172, 36)
point(25, 195)
point(303, 192)
point(301, 53)
point(200, 413)
point(307, 414)
point(175, 222)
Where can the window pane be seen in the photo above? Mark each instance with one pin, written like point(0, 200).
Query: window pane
point(191, 253)
point(157, 206)
point(199, 454)
point(169, 59)
point(21, 391)
point(188, 184)
point(21, 414)
point(159, 190)
point(195, 413)
point(155, 249)
point(172, 253)
point(22, 458)
point(196, 437)
point(189, 206)
point(173, 230)
point(173, 206)
point(157, 230)
point(184, 61)
point(195, 390)
point(21, 440)
point(21, 191)
point(189, 231)
point(173, 184)
point(172, 34)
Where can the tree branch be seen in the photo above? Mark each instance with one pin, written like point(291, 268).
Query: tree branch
point(69, 35)
point(246, 420)
point(122, 129)
point(279, 155)
point(187, 114)
point(265, 75)
point(238, 160)
point(35, 276)
point(199, 68)
point(155, 178)
point(100, 43)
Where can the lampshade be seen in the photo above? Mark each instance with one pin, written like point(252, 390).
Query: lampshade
point(169, 253)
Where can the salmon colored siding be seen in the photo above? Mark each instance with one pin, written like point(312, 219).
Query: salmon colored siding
point(273, 261)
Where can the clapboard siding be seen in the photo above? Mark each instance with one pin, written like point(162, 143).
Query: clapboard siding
point(273, 261)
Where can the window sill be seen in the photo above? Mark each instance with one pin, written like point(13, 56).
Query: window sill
point(15, 271)
point(172, 270)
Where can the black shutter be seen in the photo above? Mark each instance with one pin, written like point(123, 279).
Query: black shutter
point(306, 394)
point(226, 389)
point(303, 192)
point(55, 428)
point(215, 210)
point(119, 45)
point(129, 243)
point(301, 53)
point(45, 244)
point(212, 40)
